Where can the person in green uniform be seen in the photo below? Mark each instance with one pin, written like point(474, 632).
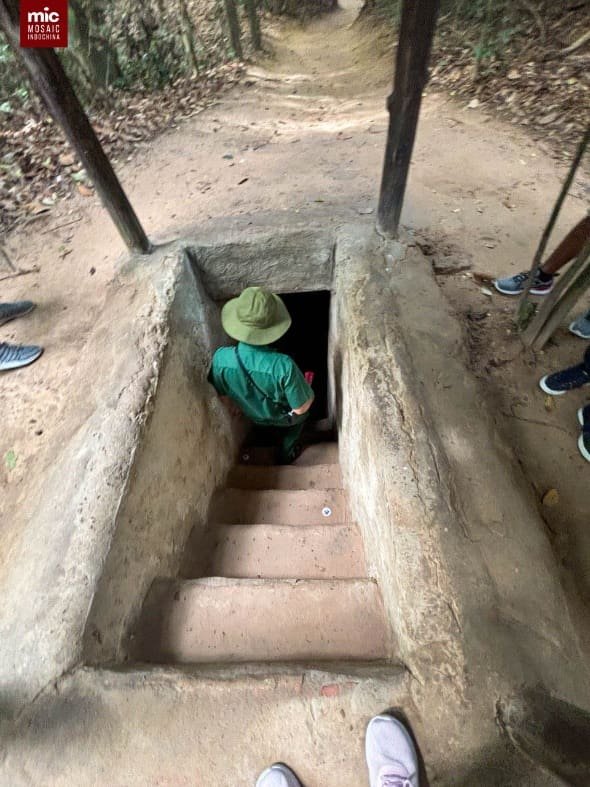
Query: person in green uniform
point(267, 386)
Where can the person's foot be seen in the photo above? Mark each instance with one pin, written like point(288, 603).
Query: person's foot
point(292, 456)
point(581, 326)
point(278, 775)
point(10, 311)
point(515, 285)
point(584, 439)
point(13, 356)
point(391, 755)
point(559, 383)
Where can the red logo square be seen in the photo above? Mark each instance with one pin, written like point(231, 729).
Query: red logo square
point(44, 23)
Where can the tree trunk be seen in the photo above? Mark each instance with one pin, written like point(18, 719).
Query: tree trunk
point(411, 74)
point(100, 57)
point(234, 27)
point(50, 81)
point(188, 37)
point(252, 8)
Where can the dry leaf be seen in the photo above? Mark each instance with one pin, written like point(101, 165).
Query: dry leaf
point(549, 403)
point(85, 191)
point(67, 159)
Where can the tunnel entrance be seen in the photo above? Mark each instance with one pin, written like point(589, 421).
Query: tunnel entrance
point(307, 343)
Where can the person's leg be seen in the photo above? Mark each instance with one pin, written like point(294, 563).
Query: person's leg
point(278, 775)
point(391, 755)
point(291, 441)
point(543, 281)
point(570, 247)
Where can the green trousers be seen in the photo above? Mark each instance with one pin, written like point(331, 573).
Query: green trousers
point(286, 437)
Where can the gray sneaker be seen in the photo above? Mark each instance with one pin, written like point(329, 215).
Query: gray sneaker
point(581, 326)
point(12, 356)
point(391, 756)
point(515, 285)
point(10, 311)
point(278, 775)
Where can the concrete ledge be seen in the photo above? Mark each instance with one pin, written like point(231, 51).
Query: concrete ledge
point(220, 728)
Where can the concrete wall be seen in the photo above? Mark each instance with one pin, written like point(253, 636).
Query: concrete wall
point(451, 531)
point(185, 452)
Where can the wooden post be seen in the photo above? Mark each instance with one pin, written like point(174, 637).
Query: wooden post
point(234, 27)
point(411, 75)
point(51, 82)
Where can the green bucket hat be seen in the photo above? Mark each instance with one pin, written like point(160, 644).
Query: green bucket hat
point(256, 317)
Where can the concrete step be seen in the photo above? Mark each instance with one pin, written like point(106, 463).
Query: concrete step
point(160, 726)
point(284, 507)
point(285, 552)
point(286, 477)
point(237, 620)
point(319, 454)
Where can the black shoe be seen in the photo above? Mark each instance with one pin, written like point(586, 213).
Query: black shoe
point(292, 456)
point(584, 439)
point(10, 311)
point(13, 356)
point(566, 380)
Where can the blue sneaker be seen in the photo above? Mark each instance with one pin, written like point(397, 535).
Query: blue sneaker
point(584, 439)
point(581, 326)
point(559, 383)
point(10, 311)
point(515, 285)
point(13, 356)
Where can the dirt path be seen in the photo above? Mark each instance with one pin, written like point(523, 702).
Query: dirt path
point(305, 132)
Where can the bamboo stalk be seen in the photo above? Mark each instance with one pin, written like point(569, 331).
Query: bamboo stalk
point(560, 302)
point(526, 309)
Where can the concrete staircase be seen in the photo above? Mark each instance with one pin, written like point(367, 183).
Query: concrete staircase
point(286, 580)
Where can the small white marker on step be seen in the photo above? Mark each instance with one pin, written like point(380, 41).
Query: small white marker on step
point(326, 511)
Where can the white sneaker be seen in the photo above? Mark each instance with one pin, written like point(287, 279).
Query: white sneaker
point(391, 756)
point(278, 775)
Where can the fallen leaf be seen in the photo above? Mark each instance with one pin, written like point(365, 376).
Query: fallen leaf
point(546, 119)
point(37, 209)
point(549, 403)
point(487, 292)
point(513, 74)
point(551, 498)
point(67, 159)
point(10, 459)
point(85, 191)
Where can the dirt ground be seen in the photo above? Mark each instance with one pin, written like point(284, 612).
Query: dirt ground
point(305, 132)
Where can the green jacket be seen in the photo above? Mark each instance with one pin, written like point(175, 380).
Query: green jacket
point(276, 374)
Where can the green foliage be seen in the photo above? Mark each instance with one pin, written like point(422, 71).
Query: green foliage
point(495, 21)
point(13, 86)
